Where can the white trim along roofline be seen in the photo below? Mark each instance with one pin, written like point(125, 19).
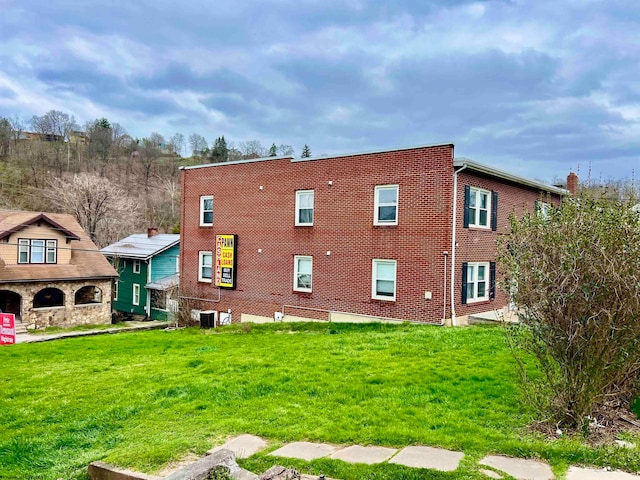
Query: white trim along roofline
point(234, 162)
point(308, 159)
point(496, 172)
point(370, 152)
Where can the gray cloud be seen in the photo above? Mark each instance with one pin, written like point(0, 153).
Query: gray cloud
point(536, 87)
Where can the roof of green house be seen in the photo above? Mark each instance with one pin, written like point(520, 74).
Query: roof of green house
point(141, 246)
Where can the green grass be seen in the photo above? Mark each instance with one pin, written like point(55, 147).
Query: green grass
point(78, 328)
point(142, 400)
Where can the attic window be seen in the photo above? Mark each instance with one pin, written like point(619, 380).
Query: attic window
point(31, 250)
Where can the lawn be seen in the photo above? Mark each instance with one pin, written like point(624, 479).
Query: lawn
point(142, 400)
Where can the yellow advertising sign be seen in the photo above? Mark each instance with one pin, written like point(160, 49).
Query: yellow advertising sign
point(225, 267)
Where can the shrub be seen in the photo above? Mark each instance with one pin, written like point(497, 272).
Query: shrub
point(574, 273)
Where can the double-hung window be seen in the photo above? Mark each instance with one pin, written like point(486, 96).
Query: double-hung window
point(136, 266)
point(478, 281)
point(480, 208)
point(136, 294)
point(383, 285)
point(115, 289)
point(386, 205)
point(37, 251)
point(304, 208)
point(206, 211)
point(204, 266)
point(302, 273)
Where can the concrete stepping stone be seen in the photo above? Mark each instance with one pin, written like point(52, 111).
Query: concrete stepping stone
point(368, 455)
point(520, 468)
point(305, 450)
point(579, 473)
point(428, 457)
point(243, 446)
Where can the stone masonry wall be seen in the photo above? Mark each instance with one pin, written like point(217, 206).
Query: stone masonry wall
point(67, 315)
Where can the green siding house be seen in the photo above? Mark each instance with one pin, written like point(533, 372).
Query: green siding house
point(148, 267)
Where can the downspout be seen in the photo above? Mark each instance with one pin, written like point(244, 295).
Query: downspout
point(453, 243)
point(444, 289)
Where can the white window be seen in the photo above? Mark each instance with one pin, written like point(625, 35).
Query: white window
point(386, 205)
point(302, 273)
point(51, 251)
point(204, 266)
point(37, 251)
point(23, 251)
point(177, 263)
point(542, 209)
point(477, 288)
point(136, 266)
point(479, 207)
point(115, 289)
point(136, 294)
point(206, 211)
point(304, 207)
point(383, 285)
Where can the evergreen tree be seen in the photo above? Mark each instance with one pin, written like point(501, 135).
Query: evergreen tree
point(273, 151)
point(306, 151)
point(220, 152)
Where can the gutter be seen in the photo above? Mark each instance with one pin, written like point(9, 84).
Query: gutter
point(453, 243)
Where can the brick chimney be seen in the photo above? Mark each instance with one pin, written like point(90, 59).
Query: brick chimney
point(152, 232)
point(572, 184)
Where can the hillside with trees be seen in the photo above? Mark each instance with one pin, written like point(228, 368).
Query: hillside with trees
point(113, 183)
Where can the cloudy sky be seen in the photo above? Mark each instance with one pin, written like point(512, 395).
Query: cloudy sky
point(536, 87)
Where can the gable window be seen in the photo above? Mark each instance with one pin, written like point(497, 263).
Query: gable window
point(304, 207)
point(136, 266)
point(386, 205)
point(302, 273)
point(204, 266)
point(206, 211)
point(383, 285)
point(480, 208)
point(478, 281)
point(37, 251)
point(136, 294)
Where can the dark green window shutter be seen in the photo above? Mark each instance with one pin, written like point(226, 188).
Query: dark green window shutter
point(492, 280)
point(467, 194)
point(494, 211)
point(463, 297)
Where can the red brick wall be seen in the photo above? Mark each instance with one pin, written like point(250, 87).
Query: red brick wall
point(479, 245)
point(343, 225)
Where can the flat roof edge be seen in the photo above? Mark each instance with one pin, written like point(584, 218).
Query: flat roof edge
point(370, 152)
point(496, 172)
point(234, 162)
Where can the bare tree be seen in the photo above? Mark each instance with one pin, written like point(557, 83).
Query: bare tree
point(252, 149)
point(103, 210)
point(5, 136)
point(198, 144)
point(176, 144)
point(18, 129)
point(55, 128)
point(285, 150)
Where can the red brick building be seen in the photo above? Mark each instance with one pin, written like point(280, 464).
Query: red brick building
point(349, 237)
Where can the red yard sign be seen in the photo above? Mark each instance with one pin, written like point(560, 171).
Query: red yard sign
point(7, 329)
